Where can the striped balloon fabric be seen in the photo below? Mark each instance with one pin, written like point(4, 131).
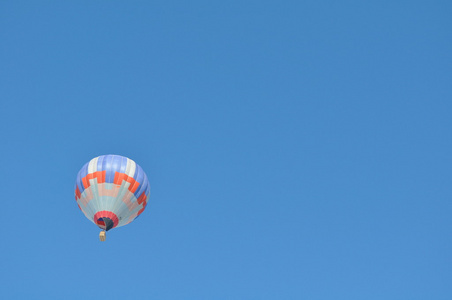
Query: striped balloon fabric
point(111, 191)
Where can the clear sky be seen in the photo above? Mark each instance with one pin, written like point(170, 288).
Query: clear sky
point(295, 149)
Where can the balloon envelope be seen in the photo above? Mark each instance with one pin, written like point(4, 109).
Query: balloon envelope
point(111, 191)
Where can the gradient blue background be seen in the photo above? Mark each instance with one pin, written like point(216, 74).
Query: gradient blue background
point(295, 149)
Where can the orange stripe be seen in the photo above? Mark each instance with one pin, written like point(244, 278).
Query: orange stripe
point(100, 175)
point(133, 188)
point(77, 193)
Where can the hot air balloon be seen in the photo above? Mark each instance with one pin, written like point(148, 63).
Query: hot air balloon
point(112, 191)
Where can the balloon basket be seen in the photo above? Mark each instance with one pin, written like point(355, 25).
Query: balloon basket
point(102, 236)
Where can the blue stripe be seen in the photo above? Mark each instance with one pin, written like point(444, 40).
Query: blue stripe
point(104, 163)
point(140, 179)
point(148, 189)
point(110, 174)
point(144, 186)
point(123, 165)
point(78, 183)
point(116, 164)
point(82, 173)
point(100, 161)
point(84, 170)
point(137, 170)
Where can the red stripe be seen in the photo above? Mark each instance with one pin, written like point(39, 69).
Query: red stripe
point(142, 198)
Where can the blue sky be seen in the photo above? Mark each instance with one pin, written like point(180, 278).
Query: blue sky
point(295, 149)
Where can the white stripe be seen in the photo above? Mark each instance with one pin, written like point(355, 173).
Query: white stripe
point(92, 166)
point(130, 169)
